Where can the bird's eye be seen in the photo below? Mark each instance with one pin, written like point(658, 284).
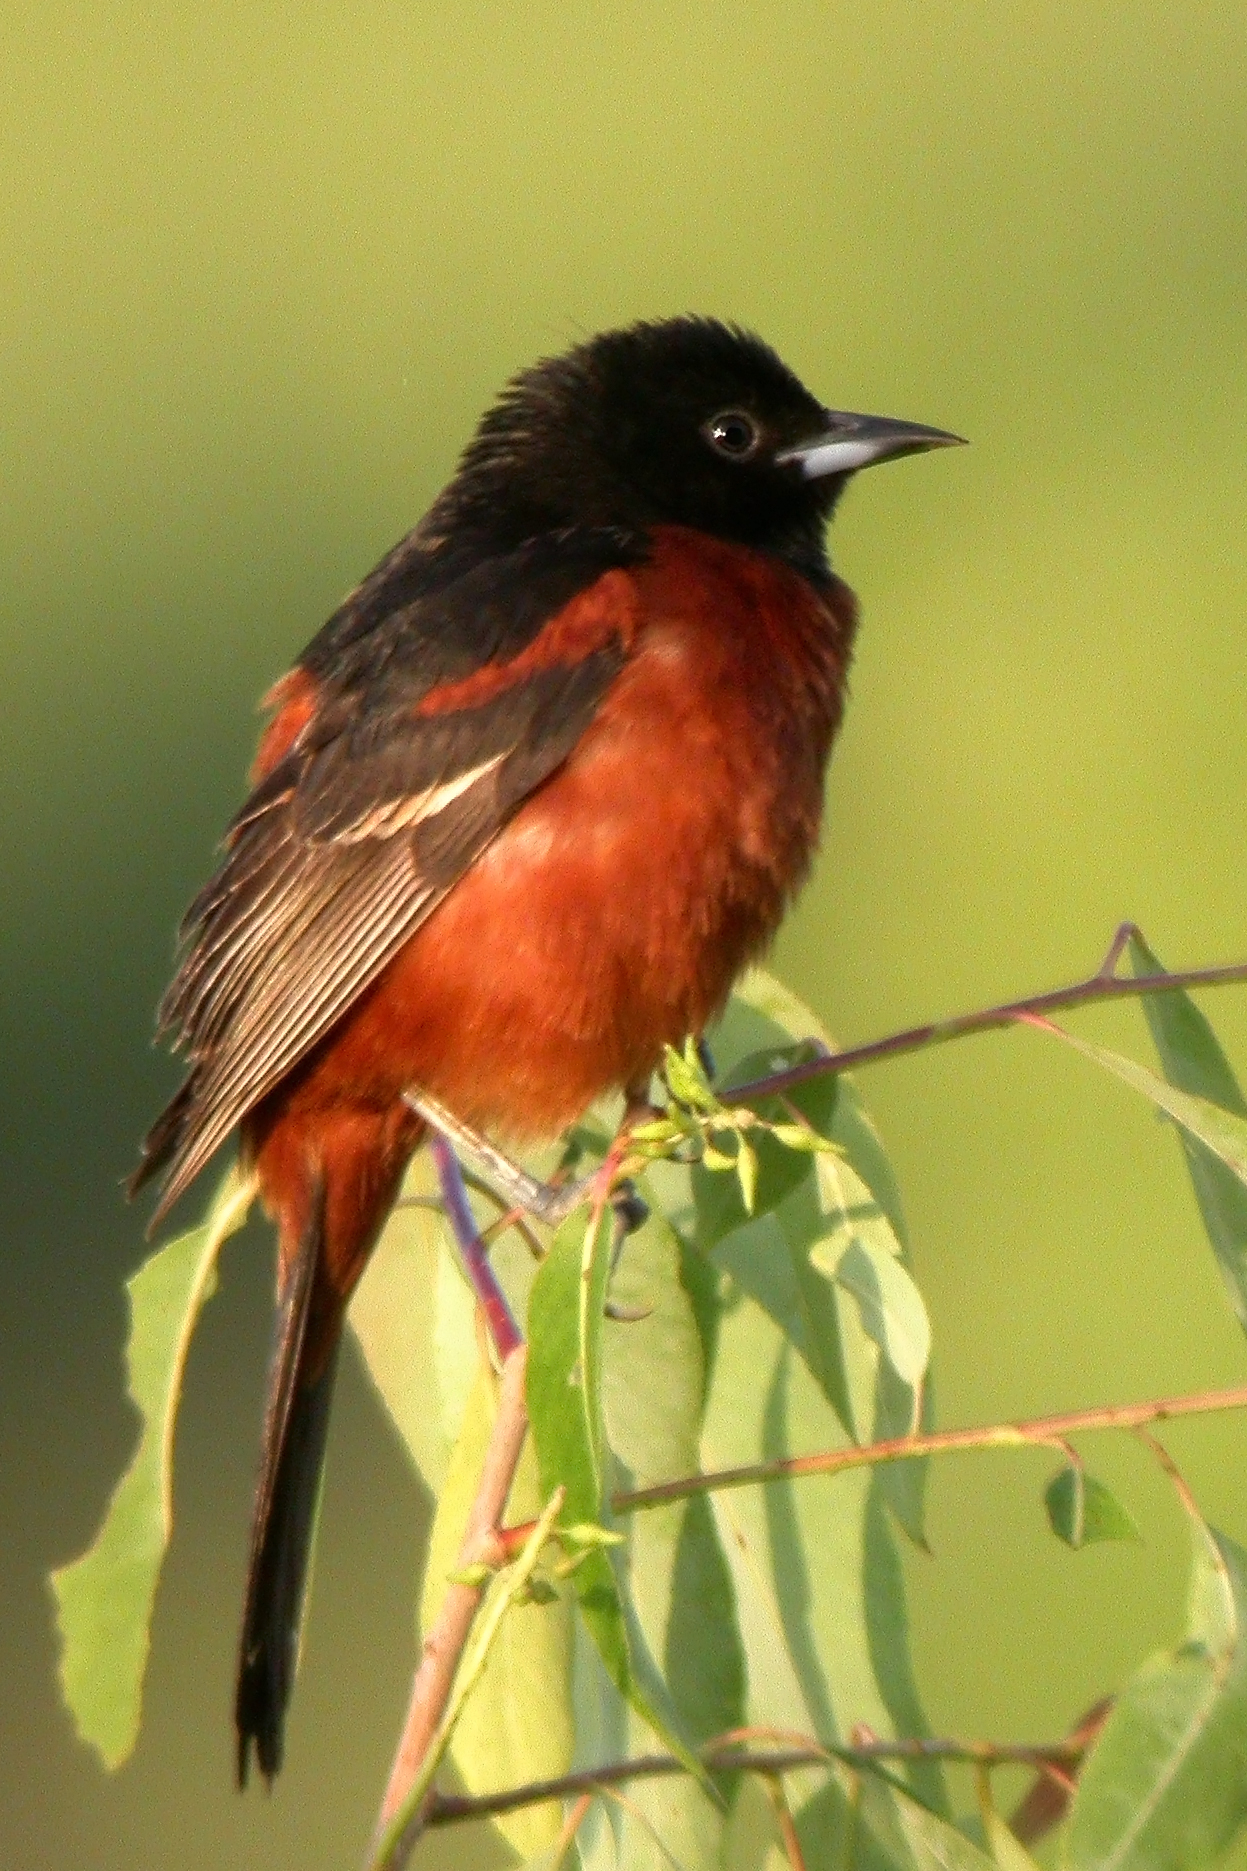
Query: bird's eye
point(732, 434)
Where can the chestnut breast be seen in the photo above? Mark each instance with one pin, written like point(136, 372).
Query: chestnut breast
point(615, 909)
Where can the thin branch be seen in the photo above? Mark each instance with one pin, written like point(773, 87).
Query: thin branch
point(506, 1333)
point(1169, 1467)
point(1037, 1432)
point(397, 1840)
point(784, 1822)
point(723, 1756)
point(507, 1217)
point(432, 1686)
point(571, 1825)
point(1104, 984)
point(646, 1824)
point(443, 1647)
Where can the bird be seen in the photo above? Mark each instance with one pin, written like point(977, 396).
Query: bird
point(524, 809)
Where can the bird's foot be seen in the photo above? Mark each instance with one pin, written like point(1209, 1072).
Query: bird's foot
point(546, 1202)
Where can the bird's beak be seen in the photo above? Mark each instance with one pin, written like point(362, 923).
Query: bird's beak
point(850, 442)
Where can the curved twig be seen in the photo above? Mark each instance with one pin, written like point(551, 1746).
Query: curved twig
point(724, 1755)
point(1036, 1432)
point(1104, 984)
point(443, 1647)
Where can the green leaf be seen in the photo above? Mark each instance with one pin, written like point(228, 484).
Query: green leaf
point(1223, 1133)
point(511, 1587)
point(869, 1820)
point(911, 1834)
point(517, 1727)
point(597, 1238)
point(823, 1322)
point(815, 1571)
point(1082, 1511)
point(414, 1319)
point(747, 1174)
point(1006, 1847)
point(566, 1412)
point(861, 1252)
point(555, 1383)
point(897, 1406)
point(782, 1162)
point(105, 1598)
point(899, 1412)
point(475, 1576)
point(686, 1080)
point(1165, 1787)
point(678, 1579)
point(814, 1568)
point(1192, 1060)
point(586, 1533)
point(800, 1137)
point(716, 1160)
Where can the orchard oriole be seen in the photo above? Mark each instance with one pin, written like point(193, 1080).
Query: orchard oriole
point(527, 805)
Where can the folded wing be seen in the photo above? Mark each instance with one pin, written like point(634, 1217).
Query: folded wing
point(341, 852)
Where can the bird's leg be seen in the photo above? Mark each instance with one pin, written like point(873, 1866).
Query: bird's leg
point(547, 1202)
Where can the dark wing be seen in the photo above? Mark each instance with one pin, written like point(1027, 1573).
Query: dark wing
point(346, 846)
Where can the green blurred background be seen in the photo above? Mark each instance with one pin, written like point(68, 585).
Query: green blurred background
point(262, 266)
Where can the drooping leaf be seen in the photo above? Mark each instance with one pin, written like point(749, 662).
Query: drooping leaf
point(105, 1598)
point(815, 1571)
point(1006, 1848)
point(1193, 1062)
point(1081, 1510)
point(1222, 1133)
point(871, 1399)
point(597, 1236)
point(911, 1834)
point(413, 1317)
point(677, 1577)
point(816, 1578)
point(903, 1485)
point(861, 1253)
point(555, 1386)
point(1165, 1787)
point(899, 1406)
point(568, 1423)
point(518, 1725)
point(507, 1590)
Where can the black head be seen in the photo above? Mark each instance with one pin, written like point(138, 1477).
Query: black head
point(685, 422)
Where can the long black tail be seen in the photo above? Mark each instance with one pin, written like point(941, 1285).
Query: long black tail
point(296, 1423)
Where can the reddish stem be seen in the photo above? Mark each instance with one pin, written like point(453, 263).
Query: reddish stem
point(1038, 1432)
point(1104, 984)
point(490, 1296)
